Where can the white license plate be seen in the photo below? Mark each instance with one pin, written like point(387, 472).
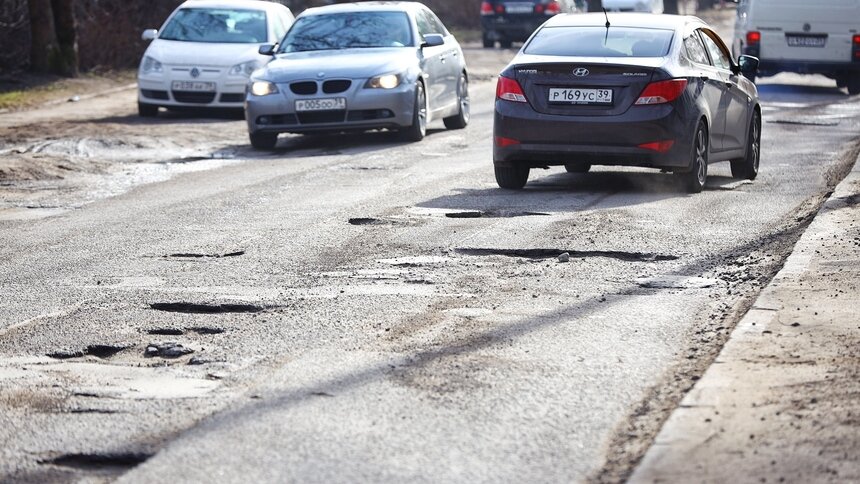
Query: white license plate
point(193, 86)
point(325, 104)
point(803, 41)
point(519, 7)
point(580, 96)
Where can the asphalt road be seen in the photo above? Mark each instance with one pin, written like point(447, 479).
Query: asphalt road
point(360, 309)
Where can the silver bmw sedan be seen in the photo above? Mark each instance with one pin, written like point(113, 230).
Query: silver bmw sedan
point(372, 65)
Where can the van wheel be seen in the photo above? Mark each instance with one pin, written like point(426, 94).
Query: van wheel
point(694, 179)
point(512, 177)
point(854, 85)
point(747, 167)
point(263, 141)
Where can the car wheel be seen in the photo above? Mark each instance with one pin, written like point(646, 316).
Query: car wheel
point(147, 110)
point(854, 85)
point(747, 167)
point(418, 129)
point(489, 43)
point(577, 167)
point(694, 179)
point(263, 141)
point(512, 177)
point(461, 119)
point(505, 43)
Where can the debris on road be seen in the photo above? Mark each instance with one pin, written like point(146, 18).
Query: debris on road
point(169, 349)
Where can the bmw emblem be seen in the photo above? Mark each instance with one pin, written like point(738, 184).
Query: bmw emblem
point(195, 73)
point(321, 74)
point(581, 72)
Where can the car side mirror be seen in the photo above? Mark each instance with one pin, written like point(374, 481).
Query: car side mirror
point(149, 34)
point(267, 49)
point(748, 64)
point(432, 40)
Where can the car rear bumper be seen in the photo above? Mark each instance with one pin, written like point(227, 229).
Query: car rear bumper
point(773, 66)
point(537, 139)
point(514, 29)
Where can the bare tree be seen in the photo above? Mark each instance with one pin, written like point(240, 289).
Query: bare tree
point(43, 43)
point(670, 6)
point(67, 38)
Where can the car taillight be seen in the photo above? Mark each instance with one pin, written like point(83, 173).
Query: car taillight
point(552, 8)
point(658, 146)
point(486, 8)
point(855, 47)
point(509, 90)
point(662, 92)
point(753, 37)
point(500, 8)
point(503, 142)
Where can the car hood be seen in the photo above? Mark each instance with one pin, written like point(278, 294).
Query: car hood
point(350, 63)
point(172, 52)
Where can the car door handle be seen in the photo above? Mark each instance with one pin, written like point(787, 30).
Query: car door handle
point(730, 84)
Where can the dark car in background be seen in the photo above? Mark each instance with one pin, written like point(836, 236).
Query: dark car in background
point(657, 91)
point(506, 22)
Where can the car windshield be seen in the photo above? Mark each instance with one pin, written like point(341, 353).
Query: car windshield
point(217, 25)
point(347, 31)
point(601, 42)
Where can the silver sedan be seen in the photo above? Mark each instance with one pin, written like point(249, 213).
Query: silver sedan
point(386, 65)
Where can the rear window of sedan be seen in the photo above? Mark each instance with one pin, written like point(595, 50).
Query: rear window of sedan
point(217, 25)
point(600, 42)
point(348, 31)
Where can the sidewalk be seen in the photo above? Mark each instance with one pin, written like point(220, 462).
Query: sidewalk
point(782, 401)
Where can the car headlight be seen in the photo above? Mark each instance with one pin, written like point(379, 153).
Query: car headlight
point(245, 68)
point(150, 65)
point(263, 88)
point(386, 81)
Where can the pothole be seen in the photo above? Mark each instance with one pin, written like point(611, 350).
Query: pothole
point(553, 253)
point(205, 330)
point(803, 122)
point(381, 221)
point(193, 308)
point(193, 255)
point(166, 331)
point(98, 350)
point(166, 350)
point(677, 282)
point(416, 261)
point(493, 214)
point(118, 462)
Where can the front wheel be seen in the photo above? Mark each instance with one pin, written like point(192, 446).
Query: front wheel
point(147, 110)
point(854, 84)
point(418, 129)
point(694, 179)
point(263, 141)
point(747, 167)
point(461, 119)
point(512, 177)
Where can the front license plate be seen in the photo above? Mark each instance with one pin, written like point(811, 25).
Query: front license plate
point(806, 41)
point(580, 96)
point(326, 104)
point(193, 86)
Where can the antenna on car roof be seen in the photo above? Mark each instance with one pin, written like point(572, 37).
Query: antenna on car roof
point(606, 38)
point(607, 18)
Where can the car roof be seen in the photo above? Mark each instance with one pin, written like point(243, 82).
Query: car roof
point(364, 7)
point(644, 20)
point(247, 4)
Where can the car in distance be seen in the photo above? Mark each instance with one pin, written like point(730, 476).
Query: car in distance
point(648, 6)
point(204, 53)
point(506, 22)
point(359, 66)
point(659, 91)
point(800, 36)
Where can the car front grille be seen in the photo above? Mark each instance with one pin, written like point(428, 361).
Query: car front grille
point(151, 94)
point(369, 114)
point(336, 86)
point(194, 97)
point(232, 97)
point(304, 87)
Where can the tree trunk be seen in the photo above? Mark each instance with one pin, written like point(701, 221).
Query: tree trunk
point(67, 39)
point(595, 5)
point(43, 44)
point(670, 6)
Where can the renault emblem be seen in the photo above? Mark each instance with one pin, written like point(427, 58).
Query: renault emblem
point(580, 72)
point(195, 73)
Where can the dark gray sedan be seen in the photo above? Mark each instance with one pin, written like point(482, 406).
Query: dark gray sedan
point(659, 91)
point(374, 65)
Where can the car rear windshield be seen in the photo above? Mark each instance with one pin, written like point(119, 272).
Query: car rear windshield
point(217, 25)
point(348, 31)
point(600, 42)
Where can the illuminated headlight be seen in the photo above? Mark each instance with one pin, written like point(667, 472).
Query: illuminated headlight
point(387, 81)
point(263, 88)
point(150, 65)
point(244, 69)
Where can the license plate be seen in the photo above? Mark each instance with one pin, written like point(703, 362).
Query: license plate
point(326, 104)
point(580, 96)
point(193, 86)
point(519, 7)
point(805, 41)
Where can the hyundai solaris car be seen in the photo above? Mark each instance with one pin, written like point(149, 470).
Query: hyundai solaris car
point(360, 66)
point(658, 91)
point(205, 52)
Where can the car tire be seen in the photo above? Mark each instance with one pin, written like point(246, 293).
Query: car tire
point(489, 43)
point(461, 119)
point(418, 129)
point(747, 167)
point(854, 85)
point(577, 167)
point(694, 179)
point(147, 110)
point(505, 43)
point(263, 141)
point(512, 177)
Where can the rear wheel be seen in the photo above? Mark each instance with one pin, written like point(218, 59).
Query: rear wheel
point(489, 43)
point(512, 177)
point(263, 141)
point(418, 129)
point(461, 119)
point(694, 179)
point(747, 167)
point(577, 167)
point(854, 84)
point(147, 110)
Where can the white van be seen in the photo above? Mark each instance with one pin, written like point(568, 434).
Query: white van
point(804, 36)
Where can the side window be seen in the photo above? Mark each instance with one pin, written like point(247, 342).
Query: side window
point(436, 24)
point(695, 50)
point(424, 26)
point(279, 28)
point(719, 57)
